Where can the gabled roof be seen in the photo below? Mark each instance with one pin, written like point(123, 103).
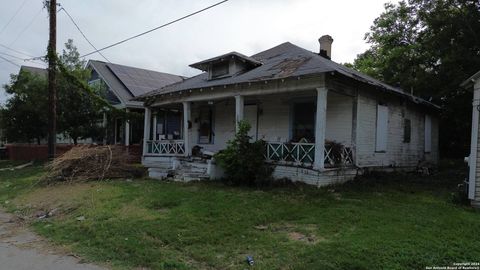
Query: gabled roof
point(282, 61)
point(35, 70)
point(129, 82)
point(468, 82)
point(203, 65)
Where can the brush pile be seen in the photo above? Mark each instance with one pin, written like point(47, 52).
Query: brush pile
point(91, 163)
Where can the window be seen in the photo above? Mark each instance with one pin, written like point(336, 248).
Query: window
point(205, 129)
point(381, 128)
point(168, 125)
point(407, 130)
point(220, 69)
point(303, 122)
point(428, 133)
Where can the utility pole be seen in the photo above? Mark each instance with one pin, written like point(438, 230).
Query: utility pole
point(52, 80)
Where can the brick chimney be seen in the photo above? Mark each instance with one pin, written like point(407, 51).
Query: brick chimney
point(326, 46)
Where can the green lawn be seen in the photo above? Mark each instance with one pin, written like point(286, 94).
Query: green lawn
point(388, 222)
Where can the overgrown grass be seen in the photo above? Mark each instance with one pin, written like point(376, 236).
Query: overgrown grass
point(384, 222)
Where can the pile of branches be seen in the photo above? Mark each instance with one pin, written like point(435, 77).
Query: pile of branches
point(91, 163)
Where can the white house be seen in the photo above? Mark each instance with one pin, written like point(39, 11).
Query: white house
point(323, 122)
point(473, 161)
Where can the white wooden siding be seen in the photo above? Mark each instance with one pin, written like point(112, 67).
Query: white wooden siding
point(397, 152)
point(381, 136)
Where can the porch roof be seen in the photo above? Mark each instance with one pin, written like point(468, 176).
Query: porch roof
point(280, 62)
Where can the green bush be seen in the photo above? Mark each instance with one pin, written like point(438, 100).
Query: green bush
point(243, 160)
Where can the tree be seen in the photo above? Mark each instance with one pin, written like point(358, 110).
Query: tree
point(79, 113)
point(79, 110)
point(24, 116)
point(428, 47)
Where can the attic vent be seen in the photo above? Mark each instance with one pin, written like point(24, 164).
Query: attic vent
point(219, 69)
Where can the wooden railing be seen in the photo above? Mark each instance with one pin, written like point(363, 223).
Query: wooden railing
point(297, 153)
point(166, 148)
point(335, 155)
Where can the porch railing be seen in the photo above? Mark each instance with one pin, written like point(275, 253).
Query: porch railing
point(166, 148)
point(304, 154)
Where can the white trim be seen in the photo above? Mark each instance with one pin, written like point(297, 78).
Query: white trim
point(146, 129)
point(472, 160)
point(127, 130)
point(186, 131)
point(320, 126)
point(239, 109)
point(123, 102)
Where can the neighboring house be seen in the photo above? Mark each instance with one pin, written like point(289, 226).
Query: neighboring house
point(322, 121)
point(121, 84)
point(474, 158)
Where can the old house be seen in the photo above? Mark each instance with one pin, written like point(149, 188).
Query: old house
point(473, 161)
point(322, 122)
point(120, 85)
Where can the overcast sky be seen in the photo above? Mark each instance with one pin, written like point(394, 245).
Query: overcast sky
point(246, 26)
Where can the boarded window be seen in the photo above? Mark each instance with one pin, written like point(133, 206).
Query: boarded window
point(304, 122)
point(205, 130)
point(220, 69)
point(428, 133)
point(381, 128)
point(407, 130)
point(169, 124)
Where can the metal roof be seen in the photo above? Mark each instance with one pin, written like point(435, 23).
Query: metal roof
point(282, 61)
point(129, 82)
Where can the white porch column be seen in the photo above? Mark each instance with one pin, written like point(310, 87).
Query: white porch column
point(104, 126)
point(146, 129)
point(127, 131)
point(320, 126)
point(239, 108)
point(186, 132)
point(154, 128)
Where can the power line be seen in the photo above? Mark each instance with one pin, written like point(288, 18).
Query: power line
point(9, 61)
point(26, 27)
point(14, 15)
point(13, 50)
point(81, 32)
point(11, 55)
point(156, 28)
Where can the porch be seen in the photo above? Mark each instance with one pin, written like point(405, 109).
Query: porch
point(309, 129)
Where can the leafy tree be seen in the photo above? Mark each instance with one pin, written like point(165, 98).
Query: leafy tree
point(79, 113)
point(428, 47)
point(243, 160)
point(79, 107)
point(24, 116)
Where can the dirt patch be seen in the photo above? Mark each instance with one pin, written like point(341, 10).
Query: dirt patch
point(304, 233)
point(133, 211)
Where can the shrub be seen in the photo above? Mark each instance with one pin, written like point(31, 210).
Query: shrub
point(243, 160)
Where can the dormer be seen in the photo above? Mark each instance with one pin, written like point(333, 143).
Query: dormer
point(226, 65)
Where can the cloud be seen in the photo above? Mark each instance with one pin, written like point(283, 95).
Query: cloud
point(246, 26)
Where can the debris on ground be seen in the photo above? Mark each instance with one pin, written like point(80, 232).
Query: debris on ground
point(17, 167)
point(90, 163)
point(250, 260)
point(81, 218)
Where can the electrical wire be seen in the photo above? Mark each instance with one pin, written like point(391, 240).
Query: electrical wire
point(81, 32)
point(26, 27)
point(14, 15)
point(156, 28)
point(9, 61)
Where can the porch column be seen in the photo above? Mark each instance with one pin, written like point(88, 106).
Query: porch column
point(239, 107)
point(320, 126)
point(186, 132)
point(104, 126)
point(154, 128)
point(146, 129)
point(127, 130)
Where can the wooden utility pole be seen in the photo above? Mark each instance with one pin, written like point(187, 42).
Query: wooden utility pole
point(52, 80)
